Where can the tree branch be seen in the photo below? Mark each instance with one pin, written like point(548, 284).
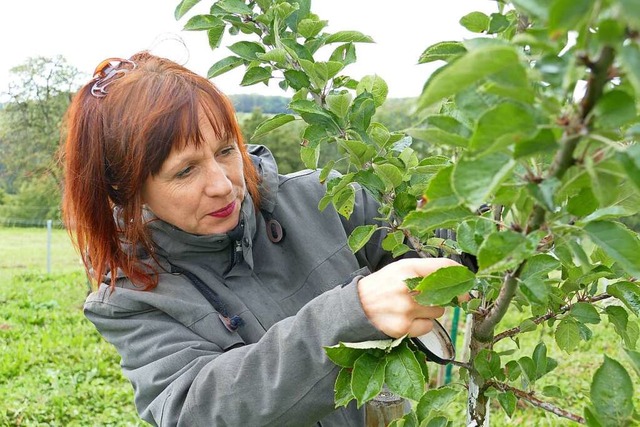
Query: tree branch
point(529, 397)
point(550, 315)
point(484, 329)
point(564, 158)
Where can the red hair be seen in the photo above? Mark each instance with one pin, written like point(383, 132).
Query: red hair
point(114, 143)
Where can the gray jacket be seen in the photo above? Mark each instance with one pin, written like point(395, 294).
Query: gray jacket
point(189, 368)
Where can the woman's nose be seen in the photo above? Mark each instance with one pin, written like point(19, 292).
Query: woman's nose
point(217, 183)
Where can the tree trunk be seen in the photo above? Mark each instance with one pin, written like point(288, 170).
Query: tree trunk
point(477, 401)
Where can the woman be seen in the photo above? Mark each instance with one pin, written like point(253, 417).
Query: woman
point(220, 280)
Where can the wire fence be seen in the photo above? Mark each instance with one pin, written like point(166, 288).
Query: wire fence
point(36, 246)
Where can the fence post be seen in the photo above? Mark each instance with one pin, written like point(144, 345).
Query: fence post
point(384, 408)
point(49, 223)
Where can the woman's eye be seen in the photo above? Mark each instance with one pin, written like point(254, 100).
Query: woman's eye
point(184, 172)
point(227, 150)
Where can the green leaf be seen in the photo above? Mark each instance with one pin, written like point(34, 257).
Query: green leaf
point(619, 317)
point(634, 356)
point(506, 124)
point(536, 290)
point(183, 7)
point(630, 160)
point(540, 359)
point(442, 51)
point(423, 221)
point(367, 377)
point(628, 293)
point(508, 401)
point(344, 54)
point(309, 28)
point(339, 103)
point(584, 312)
point(475, 178)
point(618, 242)
point(612, 393)
point(527, 325)
point(342, 388)
point(392, 240)
point(504, 250)
point(247, 50)
point(437, 136)
point(487, 362)
point(591, 418)
point(360, 236)
point(256, 75)
point(271, 124)
point(224, 65)
point(543, 141)
point(630, 61)
point(342, 355)
point(359, 152)
point(439, 421)
point(344, 201)
point(568, 14)
point(361, 111)
point(465, 71)
point(528, 367)
point(390, 174)
point(314, 114)
point(615, 109)
point(436, 400)
point(442, 130)
point(348, 37)
point(471, 233)
point(214, 35)
point(376, 86)
point(552, 391)
point(631, 12)
point(440, 186)
point(277, 55)
point(297, 79)
point(539, 265)
point(444, 284)
point(203, 22)
point(237, 7)
point(567, 335)
point(512, 370)
point(310, 156)
point(498, 23)
point(403, 374)
point(476, 22)
point(535, 8)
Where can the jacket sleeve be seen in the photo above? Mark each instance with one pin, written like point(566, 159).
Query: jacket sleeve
point(180, 378)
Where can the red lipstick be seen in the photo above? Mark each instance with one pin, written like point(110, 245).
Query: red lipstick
point(224, 212)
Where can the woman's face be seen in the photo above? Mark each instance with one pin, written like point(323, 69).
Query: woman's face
point(199, 190)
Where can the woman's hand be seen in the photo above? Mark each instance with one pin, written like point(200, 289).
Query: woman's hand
point(388, 303)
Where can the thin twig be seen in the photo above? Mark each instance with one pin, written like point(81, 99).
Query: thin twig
point(550, 315)
point(529, 397)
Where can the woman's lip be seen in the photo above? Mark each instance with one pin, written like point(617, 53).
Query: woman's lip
point(224, 212)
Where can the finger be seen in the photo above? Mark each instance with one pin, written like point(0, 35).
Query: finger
point(420, 267)
point(464, 297)
point(420, 327)
point(429, 311)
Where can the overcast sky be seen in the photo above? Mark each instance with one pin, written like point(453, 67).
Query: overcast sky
point(87, 31)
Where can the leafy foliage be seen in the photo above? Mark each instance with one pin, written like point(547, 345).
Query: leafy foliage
point(532, 129)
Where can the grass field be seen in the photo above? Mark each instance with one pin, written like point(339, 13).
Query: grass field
point(55, 370)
